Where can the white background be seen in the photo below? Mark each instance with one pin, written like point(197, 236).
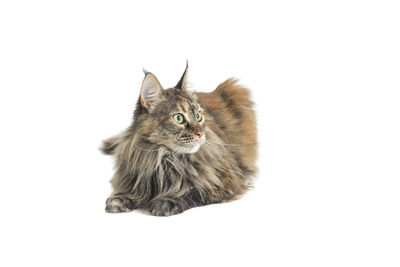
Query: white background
point(325, 79)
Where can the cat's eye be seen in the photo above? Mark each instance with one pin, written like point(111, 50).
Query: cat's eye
point(198, 117)
point(179, 118)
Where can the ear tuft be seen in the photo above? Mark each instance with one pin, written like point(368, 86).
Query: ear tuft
point(182, 82)
point(151, 92)
point(145, 71)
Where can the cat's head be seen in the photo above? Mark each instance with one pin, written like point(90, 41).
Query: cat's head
point(171, 118)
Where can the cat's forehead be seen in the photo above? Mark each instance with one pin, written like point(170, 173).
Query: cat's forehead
point(184, 101)
point(186, 105)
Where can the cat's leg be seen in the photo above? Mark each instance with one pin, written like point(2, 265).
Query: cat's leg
point(167, 206)
point(229, 189)
point(120, 203)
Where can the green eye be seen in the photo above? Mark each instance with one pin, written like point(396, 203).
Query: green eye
point(198, 117)
point(178, 118)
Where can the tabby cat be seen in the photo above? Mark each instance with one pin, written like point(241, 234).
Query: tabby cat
point(183, 149)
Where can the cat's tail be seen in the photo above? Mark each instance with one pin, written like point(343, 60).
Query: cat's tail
point(239, 121)
point(234, 95)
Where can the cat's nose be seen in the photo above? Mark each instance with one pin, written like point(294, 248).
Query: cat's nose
point(200, 134)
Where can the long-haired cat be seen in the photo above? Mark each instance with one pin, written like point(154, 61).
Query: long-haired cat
point(183, 149)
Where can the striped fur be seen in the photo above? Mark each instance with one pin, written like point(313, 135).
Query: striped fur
point(156, 172)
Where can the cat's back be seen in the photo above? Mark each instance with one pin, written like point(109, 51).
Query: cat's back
point(230, 114)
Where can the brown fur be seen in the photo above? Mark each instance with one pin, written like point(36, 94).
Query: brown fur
point(160, 166)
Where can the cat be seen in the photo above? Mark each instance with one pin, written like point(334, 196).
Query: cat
point(183, 149)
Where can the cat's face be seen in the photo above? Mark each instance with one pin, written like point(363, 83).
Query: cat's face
point(172, 118)
point(181, 123)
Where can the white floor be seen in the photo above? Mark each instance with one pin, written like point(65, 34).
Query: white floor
point(325, 79)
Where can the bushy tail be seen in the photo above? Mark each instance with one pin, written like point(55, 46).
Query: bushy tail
point(239, 119)
point(234, 95)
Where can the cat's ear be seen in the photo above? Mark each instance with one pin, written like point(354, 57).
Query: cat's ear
point(182, 82)
point(151, 92)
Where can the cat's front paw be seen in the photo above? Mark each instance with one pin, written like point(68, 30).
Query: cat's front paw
point(166, 207)
point(117, 204)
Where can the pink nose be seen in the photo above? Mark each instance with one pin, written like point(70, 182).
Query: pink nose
point(200, 134)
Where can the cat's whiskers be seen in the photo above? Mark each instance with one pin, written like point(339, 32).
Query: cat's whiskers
point(145, 149)
point(224, 144)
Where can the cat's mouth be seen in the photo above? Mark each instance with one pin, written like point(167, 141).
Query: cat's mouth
point(188, 140)
point(190, 144)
